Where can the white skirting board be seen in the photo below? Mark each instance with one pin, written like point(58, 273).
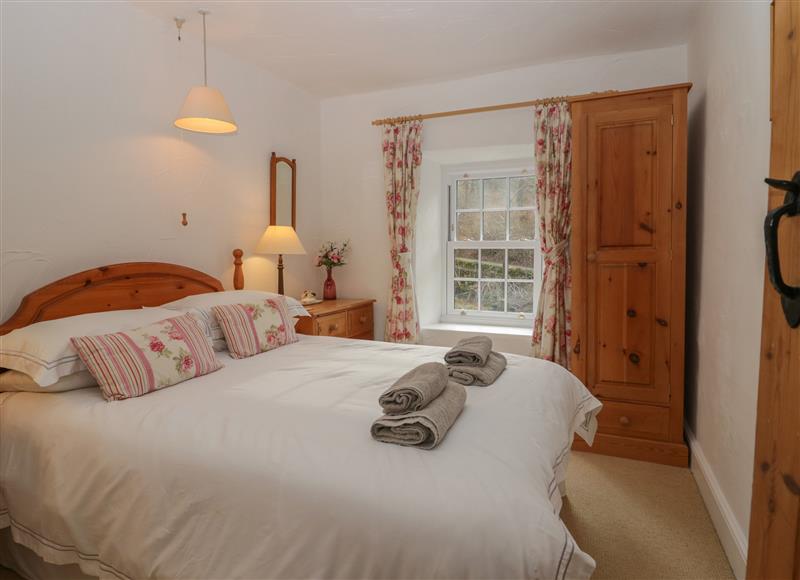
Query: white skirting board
point(733, 538)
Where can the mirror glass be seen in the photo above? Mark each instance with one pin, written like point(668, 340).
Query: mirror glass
point(283, 195)
point(282, 191)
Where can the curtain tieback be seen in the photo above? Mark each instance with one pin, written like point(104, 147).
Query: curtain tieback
point(556, 250)
point(404, 258)
point(553, 254)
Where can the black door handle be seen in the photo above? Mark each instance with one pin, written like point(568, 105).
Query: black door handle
point(790, 295)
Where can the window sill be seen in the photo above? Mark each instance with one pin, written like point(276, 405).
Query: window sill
point(480, 328)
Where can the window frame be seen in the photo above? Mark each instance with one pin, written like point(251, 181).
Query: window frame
point(451, 314)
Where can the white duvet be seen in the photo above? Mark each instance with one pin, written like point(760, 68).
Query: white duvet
point(266, 469)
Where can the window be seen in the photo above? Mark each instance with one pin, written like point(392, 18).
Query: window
point(493, 259)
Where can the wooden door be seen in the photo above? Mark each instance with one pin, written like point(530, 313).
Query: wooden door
point(774, 550)
point(628, 243)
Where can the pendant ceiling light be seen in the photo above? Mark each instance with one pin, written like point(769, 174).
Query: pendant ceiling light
point(205, 109)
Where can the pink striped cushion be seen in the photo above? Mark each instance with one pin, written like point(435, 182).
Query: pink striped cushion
point(136, 362)
point(257, 327)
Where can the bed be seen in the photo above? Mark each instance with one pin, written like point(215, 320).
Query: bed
point(266, 467)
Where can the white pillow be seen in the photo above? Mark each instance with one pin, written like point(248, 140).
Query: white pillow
point(17, 381)
point(43, 350)
point(200, 305)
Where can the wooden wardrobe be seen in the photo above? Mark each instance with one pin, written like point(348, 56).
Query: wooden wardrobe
point(628, 250)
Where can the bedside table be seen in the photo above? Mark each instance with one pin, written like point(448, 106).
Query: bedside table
point(343, 318)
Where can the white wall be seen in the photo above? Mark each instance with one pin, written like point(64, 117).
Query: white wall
point(93, 172)
point(729, 63)
point(352, 169)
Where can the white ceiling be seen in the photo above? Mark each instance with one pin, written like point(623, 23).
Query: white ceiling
point(337, 48)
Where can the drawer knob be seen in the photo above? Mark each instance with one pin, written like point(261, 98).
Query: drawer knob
point(363, 319)
point(631, 313)
point(634, 358)
point(624, 421)
point(333, 327)
point(591, 257)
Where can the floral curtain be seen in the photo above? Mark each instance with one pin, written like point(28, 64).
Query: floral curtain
point(553, 153)
point(402, 156)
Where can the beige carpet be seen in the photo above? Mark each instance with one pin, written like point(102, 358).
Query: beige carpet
point(641, 520)
point(637, 520)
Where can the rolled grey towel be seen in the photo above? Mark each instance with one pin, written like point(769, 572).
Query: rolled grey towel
point(470, 351)
point(415, 389)
point(424, 428)
point(482, 376)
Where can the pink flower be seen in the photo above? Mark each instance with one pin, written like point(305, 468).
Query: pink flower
point(156, 345)
point(187, 363)
point(249, 309)
point(282, 328)
point(272, 339)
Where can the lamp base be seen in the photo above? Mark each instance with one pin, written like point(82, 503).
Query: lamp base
point(280, 274)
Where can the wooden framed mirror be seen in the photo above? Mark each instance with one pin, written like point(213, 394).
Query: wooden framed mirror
point(282, 191)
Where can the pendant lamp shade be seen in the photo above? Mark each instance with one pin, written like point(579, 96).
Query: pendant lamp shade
point(205, 111)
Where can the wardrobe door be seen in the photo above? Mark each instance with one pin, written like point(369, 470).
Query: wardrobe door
point(628, 236)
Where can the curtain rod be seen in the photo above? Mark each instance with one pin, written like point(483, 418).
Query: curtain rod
point(519, 105)
point(522, 104)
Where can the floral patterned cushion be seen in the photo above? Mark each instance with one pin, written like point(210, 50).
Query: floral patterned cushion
point(257, 327)
point(136, 362)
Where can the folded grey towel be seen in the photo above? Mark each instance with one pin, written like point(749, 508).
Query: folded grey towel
point(424, 428)
point(481, 376)
point(470, 351)
point(415, 389)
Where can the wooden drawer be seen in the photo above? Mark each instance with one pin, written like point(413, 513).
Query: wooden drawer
point(645, 421)
point(359, 321)
point(332, 325)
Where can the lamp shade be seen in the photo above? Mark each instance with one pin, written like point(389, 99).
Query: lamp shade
point(280, 240)
point(205, 111)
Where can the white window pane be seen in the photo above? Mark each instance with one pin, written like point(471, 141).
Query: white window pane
point(465, 295)
point(468, 194)
point(493, 263)
point(522, 191)
point(495, 193)
point(465, 263)
point(468, 226)
point(520, 297)
point(522, 224)
point(521, 264)
point(493, 296)
point(494, 225)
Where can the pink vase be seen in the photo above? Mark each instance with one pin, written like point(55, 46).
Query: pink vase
point(329, 290)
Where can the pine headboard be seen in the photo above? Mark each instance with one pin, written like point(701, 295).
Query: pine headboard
point(115, 287)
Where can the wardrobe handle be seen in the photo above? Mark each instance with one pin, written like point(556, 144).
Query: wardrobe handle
point(790, 295)
point(577, 349)
point(624, 421)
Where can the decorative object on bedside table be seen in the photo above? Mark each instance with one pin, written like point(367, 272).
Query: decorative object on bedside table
point(280, 240)
point(331, 255)
point(309, 297)
point(342, 318)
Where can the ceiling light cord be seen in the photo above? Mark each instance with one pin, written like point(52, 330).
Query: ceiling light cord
point(205, 62)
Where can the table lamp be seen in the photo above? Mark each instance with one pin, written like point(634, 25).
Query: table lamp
point(280, 240)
